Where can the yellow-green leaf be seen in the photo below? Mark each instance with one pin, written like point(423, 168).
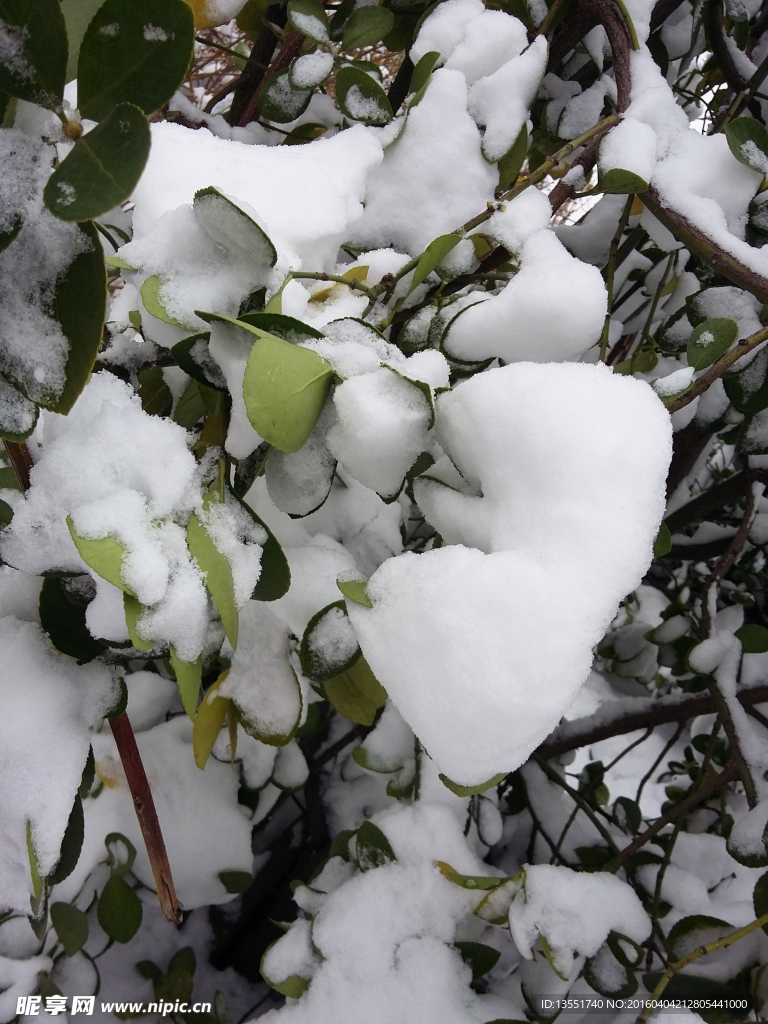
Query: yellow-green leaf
point(468, 881)
point(104, 555)
point(357, 694)
point(133, 610)
point(435, 253)
point(37, 882)
point(218, 575)
point(209, 721)
point(471, 790)
point(150, 296)
point(355, 591)
point(189, 675)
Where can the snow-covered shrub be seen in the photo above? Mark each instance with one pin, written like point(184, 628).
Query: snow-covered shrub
point(383, 629)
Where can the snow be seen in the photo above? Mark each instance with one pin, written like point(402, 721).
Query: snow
point(240, 539)
point(44, 739)
point(574, 911)
point(631, 146)
point(333, 640)
point(311, 69)
point(461, 637)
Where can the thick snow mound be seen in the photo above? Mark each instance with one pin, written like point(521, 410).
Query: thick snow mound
point(483, 644)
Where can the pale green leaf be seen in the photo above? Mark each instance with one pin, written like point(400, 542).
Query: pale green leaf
point(104, 555)
point(189, 675)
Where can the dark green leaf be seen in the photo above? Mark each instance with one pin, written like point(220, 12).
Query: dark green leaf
point(121, 701)
point(102, 169)
point(194, 358)
point(618, 181)
point(221, 1014)
point(217, 571)
point(71, 926)
point(62, 616)
point(119, 912)
point(340, 19)
point(275, 578)
point(698, 930)
point(280, 101)
point(748, 390)
point(357, 694)
point(18, 416)
point(361, 98)
point(315, 663)
point(235, 881)
point(760, 898)
point(89, 773)
point(479, 957)
point(190, 408)
point(686, 986)
point(232, 227)
point(711, 340)
point(134, 51)
point(133, 609)
point(663, 543)
point(309, 18)
point(373, 847)
point(286, 327)
point(471, 790)
point(422, 74)
point(609, 978)
point(435, 253)
point(34, 52)
point(155, 395)
point(71, 844)
point(366, 26)
point(7, 236)
point(753, 637)
point(512, 162)
point(121, 853)
point(748, 141)
point(627, 815)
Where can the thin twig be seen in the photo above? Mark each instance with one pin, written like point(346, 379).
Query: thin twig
point(554, 776)
point(610, 273)
point(21, 461)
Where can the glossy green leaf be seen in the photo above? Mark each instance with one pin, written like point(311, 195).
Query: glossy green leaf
point(373, 848)
point(80, 305)
point(103, 167)
point(357, 694)
point(71, 926)
point(275, 578)
point(479, 957)
point(753, 637)
point(308, 17)
point(18, 416)
point(155, 395)
point(62, 616)
point(6, 513)
point(191, 407)
point(693, 931)
point(119, 912)
point(285, 388)
point(748, 389)
point(217, 571)
point(105, 556)
point(33, 59)
point(355, 591)
point(315, 663)
point(286, 327)
point(135, 51)
point(89, 774)
point(618, 181)
point(361, 98)
point(194, 358)
point(151, 296)
point(748, 141)
point(422, 75)
point(367, 26)
point(209, 721)
point(512, 162)
point(293, 987)
point(189, 675)
point(77, 16)
point(280, 101)
point(662, 545)
point(133, 609)
point(468, 881)
point(471, 790)
point(232, 227)
point(236, 881)
point(627, 815)
point(711, 340)
point(71, 844)
point(435, 253)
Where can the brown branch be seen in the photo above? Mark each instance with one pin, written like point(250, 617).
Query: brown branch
point(289, 50)
point(401, 84)
point(21, 461)
point(687, 446)
point(254, 70)
point(722, 494)
point(662, 11)
point(585, 732)
point(728, 774)
point(714, 23)
point(147, 815)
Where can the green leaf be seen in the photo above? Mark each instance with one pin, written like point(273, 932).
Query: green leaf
point(77, 15)
point(119, 912)
point(194, 358)
point(309, 18)
point(217, 571)
point(748, 390)
point(367, 26)
point(221, 1014)
point(315, 663)
point(121, 701)
point(209, 721)
point(189, 675)
point(282, 102)
point(760, 898)
point(71, 844)
point(479, 957)
point(422, 75)
point(468, 881)
point(354, 590)
point(80, 306)
point(286, 327)
point(133, 609)
point(285, 388)
point(361, 98)
point(688, 986)
point(373, 847)
point(627, 814)
point(18, 416)
point(711, 340)
point(7, 236)
point(190, 408)
point(434, 253)
point(471, 790)
point(293, 987)
point(121, 853)
point(119, 263)
point(134, 51)
point(34, 869)
point(231, 226)
point(663, 543)
point(357, 694)
point(89, 774)
point(275, 578)
point(71, 926)
point(698, 929)
point(620, 182)
point(154, 305)
point(748, 141)
point(753, 637)
point(62, 616)
point(105, 556)
point(236, 881)
point(155, 395)
point(512, 162)
point(6, 513)
point(103, 167)
point(33, 63)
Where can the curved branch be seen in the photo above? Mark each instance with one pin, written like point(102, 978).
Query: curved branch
point(717, 369)
point(725, 493)
point(719, 45)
